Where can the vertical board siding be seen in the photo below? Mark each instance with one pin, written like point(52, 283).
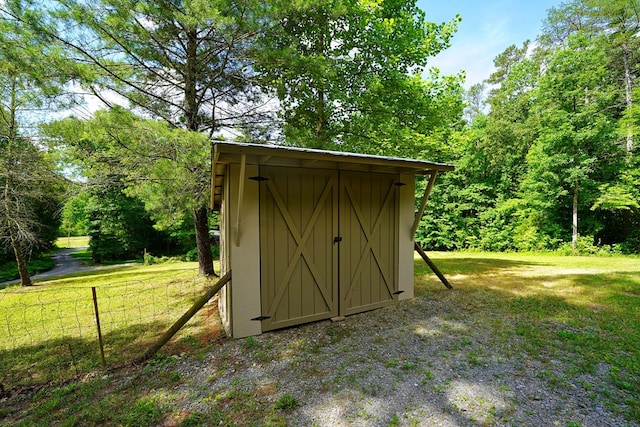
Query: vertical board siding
point(297, 222)
point(304, 275)
point(368, 221)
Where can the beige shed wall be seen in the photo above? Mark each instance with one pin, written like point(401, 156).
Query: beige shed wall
point(240, 300)
point(244, 258)
point(405, 239)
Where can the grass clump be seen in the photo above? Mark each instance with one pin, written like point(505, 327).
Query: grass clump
point(286, 403)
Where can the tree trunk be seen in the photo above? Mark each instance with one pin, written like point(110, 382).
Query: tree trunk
point(574, 228)
point(190, 82)
point(25, 278)
point(203, 242)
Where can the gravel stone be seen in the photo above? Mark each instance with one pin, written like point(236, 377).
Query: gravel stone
point(420, 362)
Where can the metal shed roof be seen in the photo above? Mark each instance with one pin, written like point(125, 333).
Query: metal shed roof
point(278, 155)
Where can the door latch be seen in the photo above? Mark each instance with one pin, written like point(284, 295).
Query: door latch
point(337, 240)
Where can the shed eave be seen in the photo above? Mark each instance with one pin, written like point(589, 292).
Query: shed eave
point(226, 153)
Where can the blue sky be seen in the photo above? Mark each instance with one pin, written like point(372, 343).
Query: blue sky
point(488, 27)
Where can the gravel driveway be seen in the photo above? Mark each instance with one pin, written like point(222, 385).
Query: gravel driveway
point(65, 264)
point(424, 362)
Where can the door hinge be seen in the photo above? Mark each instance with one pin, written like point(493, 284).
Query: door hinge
point(398, 292)
point(261, 318)
point(258, 178)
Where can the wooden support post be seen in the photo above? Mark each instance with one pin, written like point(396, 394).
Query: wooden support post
point(425, 197)
point(200, 302)
point(432, 266)
point(243, 164)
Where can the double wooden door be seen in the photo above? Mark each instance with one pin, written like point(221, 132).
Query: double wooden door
point(328, 244)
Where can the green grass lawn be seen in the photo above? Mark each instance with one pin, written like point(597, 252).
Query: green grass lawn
point(583, 308)
point(72, 242)
point(49, 331)
point(583, 311)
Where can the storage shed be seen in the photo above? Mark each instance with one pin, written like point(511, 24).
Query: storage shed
point(311, 234)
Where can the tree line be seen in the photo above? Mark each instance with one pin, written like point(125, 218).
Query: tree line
point(549, 159)
point(544, 148)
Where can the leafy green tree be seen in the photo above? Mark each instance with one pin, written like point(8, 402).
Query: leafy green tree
point(347, 74)
point(557, 144)
point(75, 220)
point(476, 102)
point(619, 23)
point(614, 23)
point(186, 63)
point(454, 215)
point(147, 160)
point(510, 128)
point(29, 77)
point(474, 204)
point(620, 200)
point(570, 17)
point(576, 147)
point(119, 226)
point(612, 26)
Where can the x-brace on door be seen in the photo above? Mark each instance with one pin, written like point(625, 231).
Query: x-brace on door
point(328, 244)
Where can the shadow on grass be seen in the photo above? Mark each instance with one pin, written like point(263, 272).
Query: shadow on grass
point(590, 320)
point(466, 266)
point(66, 357)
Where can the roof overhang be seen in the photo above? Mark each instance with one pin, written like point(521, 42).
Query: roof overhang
point(225, 153)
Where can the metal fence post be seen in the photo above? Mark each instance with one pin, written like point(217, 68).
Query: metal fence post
point(95, 307)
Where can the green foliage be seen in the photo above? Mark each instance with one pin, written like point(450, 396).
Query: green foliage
point(75, 219)
point(39, 264)
point(348, 76)
point(586, 246)
point(558, 141)
point(120, 228)
point(154, 175)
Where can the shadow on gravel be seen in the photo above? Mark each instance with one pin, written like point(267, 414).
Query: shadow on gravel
point(574, 329)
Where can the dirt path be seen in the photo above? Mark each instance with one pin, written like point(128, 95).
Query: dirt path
point(65, 264)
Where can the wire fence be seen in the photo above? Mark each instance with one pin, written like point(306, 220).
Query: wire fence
point(52, 332)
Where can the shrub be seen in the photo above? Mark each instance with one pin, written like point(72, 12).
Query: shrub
point(585, 246)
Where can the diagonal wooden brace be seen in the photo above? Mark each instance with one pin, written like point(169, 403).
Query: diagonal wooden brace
point(432, 266)
point(417, 247)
